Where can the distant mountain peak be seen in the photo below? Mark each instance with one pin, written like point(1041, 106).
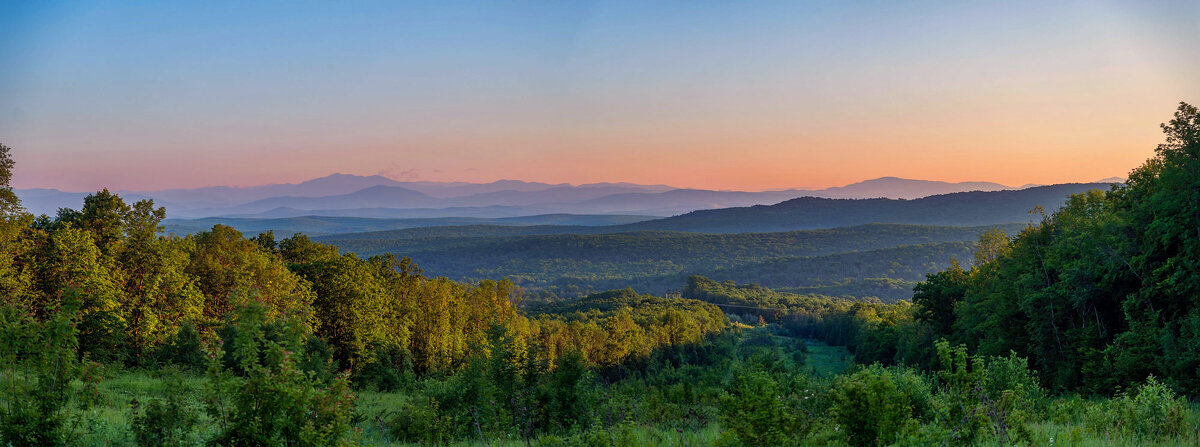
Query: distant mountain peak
point(902, 188)
point(337, 176)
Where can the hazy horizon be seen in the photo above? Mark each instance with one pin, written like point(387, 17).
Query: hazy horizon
point(576, 184)
point(774, 95)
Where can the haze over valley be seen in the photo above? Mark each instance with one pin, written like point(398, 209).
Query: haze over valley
point(380, 197)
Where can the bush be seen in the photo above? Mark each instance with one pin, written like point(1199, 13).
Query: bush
point(753, 410)
point(985, 396)
point(185, 349)
point(318, 359)
point(390, 370)
point(876, 405)
point(420, 421)
point(1009, 378)
point(1154, 411)
point(568, 390)
point(39, 361)
point(165, 422)
point(271, 401)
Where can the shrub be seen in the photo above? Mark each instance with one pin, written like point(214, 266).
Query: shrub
point(318, 359)
point(875, 405)
point(269, 400)
point(753, 410)
point(568, 391)
point(390, 370)
point(420, 421)
point(185, 349)
point(1011, 376)
point(986, 396)
point(1153, 411)
point(165, 422)
point(39, 359)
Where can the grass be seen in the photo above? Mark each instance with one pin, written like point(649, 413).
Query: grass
point(631, 435)
point(107, 423)
point(826, 361)
point(1071, 435)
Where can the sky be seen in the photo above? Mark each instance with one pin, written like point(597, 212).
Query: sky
point(719, 95)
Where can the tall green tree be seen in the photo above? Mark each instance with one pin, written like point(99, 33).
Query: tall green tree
point(936, 297)
point(351, 306)
point(159, 294)
point(1162, 199)
point(15, 268)
point(73, 262)
point(103, 216)
point(224, 263)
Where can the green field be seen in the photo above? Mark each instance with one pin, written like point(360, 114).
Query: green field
point(1063, 423)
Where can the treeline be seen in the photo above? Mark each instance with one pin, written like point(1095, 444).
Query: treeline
point(888, 274)
point(621, 327)
point(283, 330)
point(886, 289)
point(874, 331)
point(1100, 294)
point(143, 297)
point(695, 248)
point(560, 380)
point(138, 288)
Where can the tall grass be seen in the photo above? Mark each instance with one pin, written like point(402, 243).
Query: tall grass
point(1067, 420)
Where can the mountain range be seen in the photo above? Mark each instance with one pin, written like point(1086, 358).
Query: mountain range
point(962, 209)
point(955, 209)
point(376, 196)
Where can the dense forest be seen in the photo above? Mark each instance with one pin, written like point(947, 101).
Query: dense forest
point(834, 261)
point(327, 225)
point(1079, 329)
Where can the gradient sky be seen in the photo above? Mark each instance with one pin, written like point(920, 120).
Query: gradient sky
point(738, 95)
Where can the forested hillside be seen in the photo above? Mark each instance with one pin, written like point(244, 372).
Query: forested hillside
point(1099, 294)
point(958, 209)
point(324, 225)
point(973, 208)
point(577, 264)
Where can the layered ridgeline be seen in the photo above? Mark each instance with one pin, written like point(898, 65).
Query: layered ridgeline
point(958, 209)
point(854, 257)
point(953, 209)
point(326, 225)
point(342, 195)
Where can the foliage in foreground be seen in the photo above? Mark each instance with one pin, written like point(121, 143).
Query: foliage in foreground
point(272, 401)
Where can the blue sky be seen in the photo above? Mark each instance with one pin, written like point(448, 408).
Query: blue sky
point(747, 95)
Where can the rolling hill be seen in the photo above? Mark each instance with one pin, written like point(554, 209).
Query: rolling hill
point(957, 209)
point(456, 226)
point(656, 261)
